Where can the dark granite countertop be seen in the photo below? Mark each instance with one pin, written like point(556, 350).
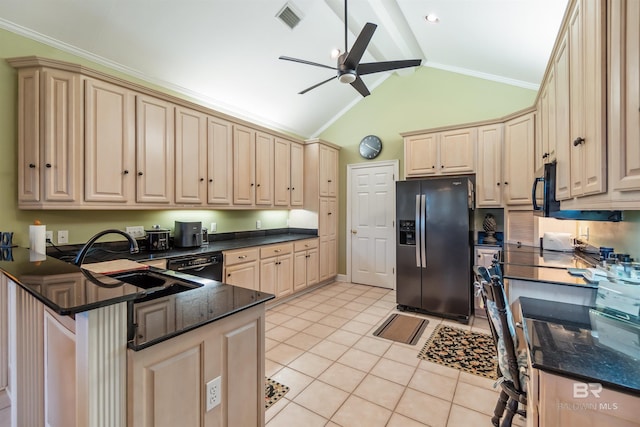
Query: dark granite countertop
point(536, 265)
point(582, 342)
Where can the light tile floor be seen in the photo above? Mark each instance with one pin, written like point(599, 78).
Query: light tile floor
point(320, 344)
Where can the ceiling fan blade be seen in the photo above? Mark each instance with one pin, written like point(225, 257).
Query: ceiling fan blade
point(357, 50)
point(376, 67)
point(302, 61)
point(359, 85)
point(316, 85)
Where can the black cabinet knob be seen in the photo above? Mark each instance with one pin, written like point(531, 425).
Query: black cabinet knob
point(579, 140)
point(48, 165)
point(32, 166)
point(257, 185)
point(210, 180)
point(125, 172)
point(140, 174)
point(545, 155)
point(498, 184)
point(506, 183)
point(201, 179)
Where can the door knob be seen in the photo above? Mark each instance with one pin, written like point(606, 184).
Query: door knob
point(354, 231)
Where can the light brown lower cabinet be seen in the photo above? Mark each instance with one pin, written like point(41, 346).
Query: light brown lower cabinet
point(554, 400)
point(166, 385)
point(276, 269)
point(305, 264)
point(241, 268)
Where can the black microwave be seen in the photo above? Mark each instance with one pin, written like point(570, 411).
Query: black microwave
point(543, 194)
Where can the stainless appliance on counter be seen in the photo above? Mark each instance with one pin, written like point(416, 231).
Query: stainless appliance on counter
point(434, 245)
point(208, 265)
point(187, 234)
point(157, 239)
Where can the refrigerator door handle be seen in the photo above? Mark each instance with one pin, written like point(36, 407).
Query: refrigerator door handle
point(423, 230)
point(417, 231)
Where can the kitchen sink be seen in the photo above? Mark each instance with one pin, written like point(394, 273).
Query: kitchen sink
point(154, 281)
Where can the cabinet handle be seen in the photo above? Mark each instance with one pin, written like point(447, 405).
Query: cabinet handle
point(545, 155)
point(257, 185)
point(228, 274)
point(288, 188)
point(252, 184)
point(329, 213)
point(441, 166)
point(498, 184)
point(242, 256)
point(32, 166)
point(579, 140)
point(308, 256)
point(210, 180)
point(201, 179)
point(329, 180)
point(506, 183)
point(293, 188)
point(433, 166)
point(48, 165)
point(140, 173)
point(277, 250)
point(125, 172)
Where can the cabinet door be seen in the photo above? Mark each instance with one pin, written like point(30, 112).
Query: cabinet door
point(297, 174)
point(29, 166)
point(327, 258)
point(282, 172)
point(62, 136)
point(219, 162)
point(155, 318)
point(191, 156)
point(587, 98)
point(624, 129)
point(489, 176)
point(563, 123)
point(546, 124)
point(327, 222)
point(269, 275)
point(518, 159)
point(457, 149)
point(299, 270)
point(244, 165)
point(328, 171)
point(264, 169)
point(109, 143)
point(484, 256)
point(421, 155)
point(284, 280)
point(312, 266)
point(245, 275)
point(154, 150)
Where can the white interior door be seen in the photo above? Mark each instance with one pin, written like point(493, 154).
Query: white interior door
point(372, 218)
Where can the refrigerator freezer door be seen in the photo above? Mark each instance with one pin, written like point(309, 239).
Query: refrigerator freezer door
point(408, 269)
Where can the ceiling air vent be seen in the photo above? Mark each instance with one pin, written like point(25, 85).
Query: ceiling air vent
point(289, 16)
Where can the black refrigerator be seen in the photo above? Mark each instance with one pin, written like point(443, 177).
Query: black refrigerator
point(433, 246)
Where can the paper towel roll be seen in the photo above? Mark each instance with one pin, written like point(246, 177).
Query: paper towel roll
point(38, 238)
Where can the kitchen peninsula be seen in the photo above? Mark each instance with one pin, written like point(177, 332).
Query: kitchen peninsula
point(77, 357)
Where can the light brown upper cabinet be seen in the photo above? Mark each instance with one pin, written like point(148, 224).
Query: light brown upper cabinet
point(264, 168)
point(328, 171)
point(288, 174)
point(562, 119)
point(489, 183)
point(545, 142)
point(624, 128)
point(587, 91)
point(447, 152)
point(220, 162)
point(49, 138)
point(191, 156)
point(244, 165)
point(297, 174)
point(110, 168)
point(154, 150)
point(518, 172)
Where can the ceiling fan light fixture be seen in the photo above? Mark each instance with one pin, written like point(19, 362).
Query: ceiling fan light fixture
point(432, 18)
point(335, 53)
point(349, 76)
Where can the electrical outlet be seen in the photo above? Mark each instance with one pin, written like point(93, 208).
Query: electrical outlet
point(49, 235)
point(258, 224)
point(63, 236)
point(213, 393)
point(135, 231)
point(214, 227)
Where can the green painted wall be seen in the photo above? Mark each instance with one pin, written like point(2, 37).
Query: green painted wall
point(83, 224)
point(427, 98)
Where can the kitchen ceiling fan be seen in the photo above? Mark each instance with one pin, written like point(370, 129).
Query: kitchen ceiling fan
point(349, 69)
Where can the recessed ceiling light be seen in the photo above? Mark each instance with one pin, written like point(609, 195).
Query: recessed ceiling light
point(432, 18)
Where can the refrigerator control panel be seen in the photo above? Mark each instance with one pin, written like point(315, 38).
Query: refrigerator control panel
point(407, 232)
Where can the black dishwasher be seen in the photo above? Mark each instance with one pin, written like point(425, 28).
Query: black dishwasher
point(208, 265)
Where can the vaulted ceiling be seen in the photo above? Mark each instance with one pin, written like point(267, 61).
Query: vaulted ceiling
point(225, 53)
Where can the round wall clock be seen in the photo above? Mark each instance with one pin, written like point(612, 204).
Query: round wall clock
point(370, 147)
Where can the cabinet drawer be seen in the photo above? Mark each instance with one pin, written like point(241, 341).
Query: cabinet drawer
point(303, 245)
point(275, 250)
point(240, 255)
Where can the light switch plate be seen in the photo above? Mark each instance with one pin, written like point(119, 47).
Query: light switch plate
point(214, 227)
point(258, 224)
point(63, 237)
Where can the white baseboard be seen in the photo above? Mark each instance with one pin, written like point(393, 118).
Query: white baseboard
point(342, 278)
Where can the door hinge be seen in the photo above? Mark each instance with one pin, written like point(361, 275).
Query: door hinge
point(393, 270)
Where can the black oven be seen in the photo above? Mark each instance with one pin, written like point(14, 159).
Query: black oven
point(543, 194)
point(208, 265)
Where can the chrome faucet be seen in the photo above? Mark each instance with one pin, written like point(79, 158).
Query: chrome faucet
point(133, 245)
